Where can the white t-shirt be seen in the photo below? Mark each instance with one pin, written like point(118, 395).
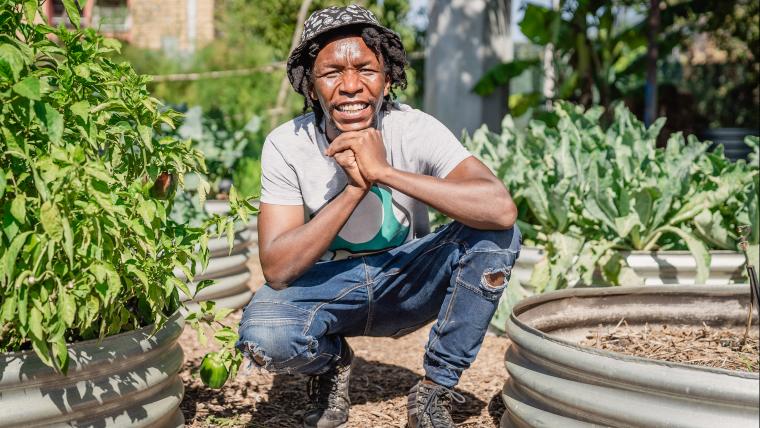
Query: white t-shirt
point(295, 171)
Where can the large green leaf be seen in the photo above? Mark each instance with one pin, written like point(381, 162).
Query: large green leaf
point(12, 61)
point(519, 104)
point(624, 225)
point(697, 249)
point(709, 228)
point(51, 119)
point(50, 218)
point(28, 88)
point(537, 23)
point(501, 74)
point(18, 208)
point(72, 11)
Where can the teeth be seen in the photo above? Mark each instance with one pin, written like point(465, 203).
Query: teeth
point(352, 107)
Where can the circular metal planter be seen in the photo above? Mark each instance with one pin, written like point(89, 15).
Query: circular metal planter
point(657, 268)
point(732, 140)
point(228, 268)
point(680, 267)
point(131, 379)
point(554, 382)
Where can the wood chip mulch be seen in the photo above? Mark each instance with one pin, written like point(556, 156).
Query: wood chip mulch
point(695, 345)
point(384, 370)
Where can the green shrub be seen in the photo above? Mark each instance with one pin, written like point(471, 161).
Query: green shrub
point(247, 177)
point(231, 156)
point(86, 249)
point(586, 193)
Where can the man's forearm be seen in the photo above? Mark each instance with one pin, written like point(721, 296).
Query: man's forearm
point(478, 203)
point(294, 252)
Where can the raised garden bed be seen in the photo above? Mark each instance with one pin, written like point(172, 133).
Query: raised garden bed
point(228, 268)
point(556, 381)
point(130, 379)
point(657, 268)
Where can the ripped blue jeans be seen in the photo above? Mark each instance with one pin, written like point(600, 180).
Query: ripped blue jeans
point(455, 275)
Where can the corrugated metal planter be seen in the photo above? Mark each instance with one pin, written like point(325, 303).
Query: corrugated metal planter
point(657, 268)
point(229, 269)
point(680, 267)
point(131, 379)
point(554, 382)
point(732, 140)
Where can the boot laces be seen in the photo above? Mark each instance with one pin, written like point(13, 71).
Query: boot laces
point(325, 391)
point(438, 405)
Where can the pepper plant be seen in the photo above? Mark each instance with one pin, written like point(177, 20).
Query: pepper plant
point(87, 249)
point(586, 193)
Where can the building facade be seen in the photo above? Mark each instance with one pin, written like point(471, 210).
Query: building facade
point(174, 26)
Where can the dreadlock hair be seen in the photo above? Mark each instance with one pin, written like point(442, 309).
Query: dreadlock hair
point(383, 43)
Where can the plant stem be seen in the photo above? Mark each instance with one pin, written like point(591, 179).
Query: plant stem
point(652, 241)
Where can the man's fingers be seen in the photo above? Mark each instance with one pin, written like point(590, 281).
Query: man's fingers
point(339, 146)
point(343, 142)
point(345, 158)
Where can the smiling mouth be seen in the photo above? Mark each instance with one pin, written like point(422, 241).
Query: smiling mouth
point(352, 107)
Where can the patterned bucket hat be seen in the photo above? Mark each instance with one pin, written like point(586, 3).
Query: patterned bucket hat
point(325, 20)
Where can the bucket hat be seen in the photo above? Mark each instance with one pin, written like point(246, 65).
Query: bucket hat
point(326, 20)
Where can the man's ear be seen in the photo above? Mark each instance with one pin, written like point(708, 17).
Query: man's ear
point(312, 94)
point(387, 89)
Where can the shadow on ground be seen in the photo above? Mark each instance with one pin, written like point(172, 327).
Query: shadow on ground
point(286, 399)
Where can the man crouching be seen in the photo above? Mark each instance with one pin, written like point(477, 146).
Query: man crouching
point(344, 238)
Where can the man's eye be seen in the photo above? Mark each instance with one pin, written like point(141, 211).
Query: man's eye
point(331, 74)
point(367, 71)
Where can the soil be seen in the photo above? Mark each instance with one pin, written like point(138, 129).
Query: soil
point(384, 370)
point(695, 345)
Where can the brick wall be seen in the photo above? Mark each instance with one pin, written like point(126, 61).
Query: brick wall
point(163, 24)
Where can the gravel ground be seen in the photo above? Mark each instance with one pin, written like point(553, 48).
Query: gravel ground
point(384, 370)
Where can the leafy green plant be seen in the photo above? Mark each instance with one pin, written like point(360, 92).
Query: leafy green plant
point(231, 157)
point(586, 193)
point(599, 56)
point(87, 249)
point(247, 177)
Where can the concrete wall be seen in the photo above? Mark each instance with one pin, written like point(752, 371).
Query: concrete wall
point(465, 38)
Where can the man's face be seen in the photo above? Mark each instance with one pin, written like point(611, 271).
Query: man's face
point(349, 83)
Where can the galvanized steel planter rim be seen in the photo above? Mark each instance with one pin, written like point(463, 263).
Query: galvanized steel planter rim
point(648, 253)
point(133, 375)
point(162, 333)
point(554, 381)
point(513, 323)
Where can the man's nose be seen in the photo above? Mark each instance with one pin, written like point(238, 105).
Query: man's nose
point(351, 82)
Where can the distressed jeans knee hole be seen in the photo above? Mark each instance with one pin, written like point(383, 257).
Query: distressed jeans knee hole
point(256, 355)
point(494, 279)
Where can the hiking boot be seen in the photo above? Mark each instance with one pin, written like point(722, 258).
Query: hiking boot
point(429, 406)
point(328, 393)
